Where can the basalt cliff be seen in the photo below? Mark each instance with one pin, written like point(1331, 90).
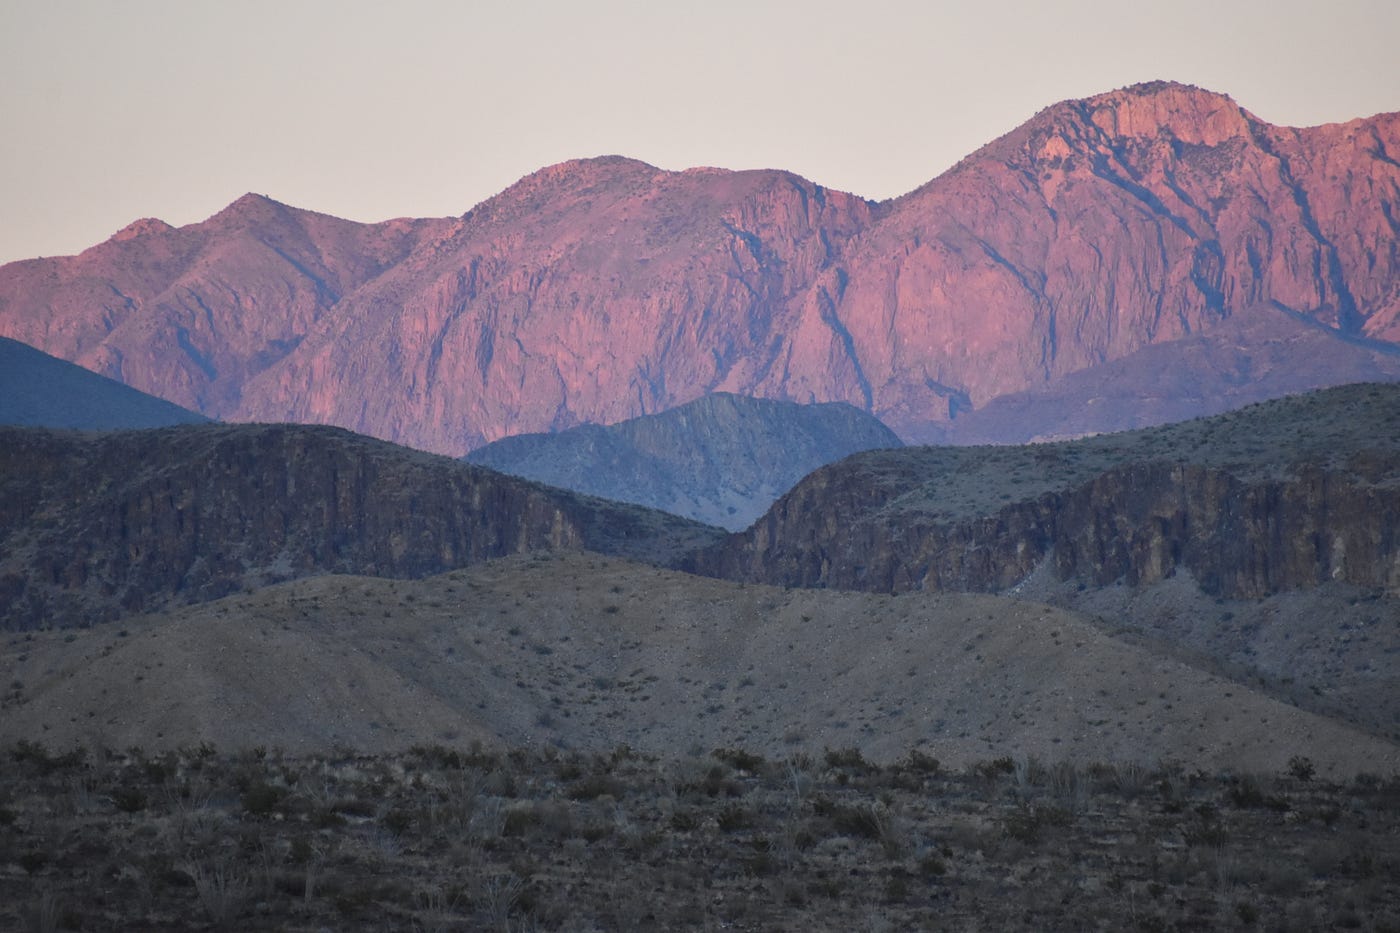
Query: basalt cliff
point(95, 526)
point(1158, 216)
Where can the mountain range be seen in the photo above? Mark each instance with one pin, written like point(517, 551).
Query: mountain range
point(697, 342)
point(1092, 254)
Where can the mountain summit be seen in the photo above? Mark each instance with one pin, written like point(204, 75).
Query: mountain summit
point(1155, 216)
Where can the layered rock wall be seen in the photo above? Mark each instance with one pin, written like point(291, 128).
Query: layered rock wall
point(95, 527)
point(1136, 524)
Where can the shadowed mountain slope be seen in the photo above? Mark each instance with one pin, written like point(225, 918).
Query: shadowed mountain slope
point(721, 460)
point(38, 390)
point(96, 526)
point(586, 652)
point(603, 289)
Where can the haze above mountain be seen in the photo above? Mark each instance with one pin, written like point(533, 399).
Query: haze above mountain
point(1157, 216)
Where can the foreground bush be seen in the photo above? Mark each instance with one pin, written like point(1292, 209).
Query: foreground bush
point(469, 839)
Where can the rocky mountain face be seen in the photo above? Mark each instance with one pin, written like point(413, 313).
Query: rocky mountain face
point(1282, 495)
point(605, 289)
point(190, 314)
point(96, 526)
point(722, 459)
point(43, 391)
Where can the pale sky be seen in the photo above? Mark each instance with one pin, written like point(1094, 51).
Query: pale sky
point(111, 110)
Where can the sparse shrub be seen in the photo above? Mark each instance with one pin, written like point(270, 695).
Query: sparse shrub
point(994, 768)
point(849, 759)
point(221, 891)
point(1301, 768)
point(45, 914)
point(918, 762)
point(36, 755)
point(931, 865)
point(685, 821)
point(594, 786)
point(740, 760)
point(1246, 793)
point(519, 819)
point(33, 861)
point(262, 799)
point(129, 799)
point(1028, 824)
point(734, 817)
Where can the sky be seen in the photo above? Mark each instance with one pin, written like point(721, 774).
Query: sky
point(112, 110)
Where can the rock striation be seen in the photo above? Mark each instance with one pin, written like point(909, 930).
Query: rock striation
point(1282, 495)
point(722, 459)
point(96, 526)
point(604, 289)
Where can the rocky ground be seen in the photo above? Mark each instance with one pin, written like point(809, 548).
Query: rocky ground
point(462, 839)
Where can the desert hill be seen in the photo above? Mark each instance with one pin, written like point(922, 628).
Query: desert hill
point(722, 459)
point(581, 651)
point(94, 526)
point(43, 391)
point(603, 289)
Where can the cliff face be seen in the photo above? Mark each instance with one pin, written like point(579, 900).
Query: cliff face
point(1105, 225)
point(591, 291)
point(97, 526)
point(721, 460)
point(1280, 497)
point(190, 314)
point(604, 289)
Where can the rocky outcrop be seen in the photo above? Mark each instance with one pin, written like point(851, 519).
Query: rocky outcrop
point(95, 526)
point(721, 460)
point(39, 390)
point(1276, 498)
point(604, 289)
point(1106, 225)
point(589, 292)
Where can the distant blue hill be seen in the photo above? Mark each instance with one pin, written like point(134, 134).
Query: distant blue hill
point(721, 459)
point(38, 390)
